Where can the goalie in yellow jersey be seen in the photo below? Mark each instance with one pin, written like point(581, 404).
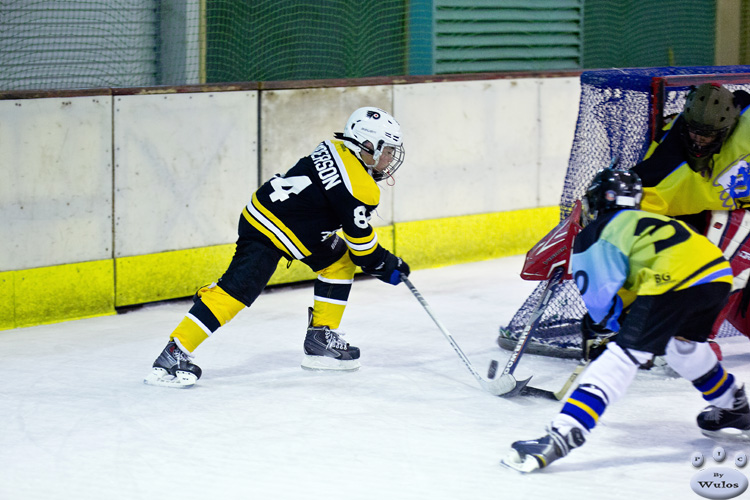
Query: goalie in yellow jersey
point(697, 171)
point(660, 285)
point(296, 216)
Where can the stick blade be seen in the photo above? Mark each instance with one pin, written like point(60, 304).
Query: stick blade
point(499, 386)
point(539, 393)
point(517, 388)
point(505, 385)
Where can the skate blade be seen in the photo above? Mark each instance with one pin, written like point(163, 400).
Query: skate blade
point(728, 434)
point(161, 378)
point(515, 462)
point(321, 363)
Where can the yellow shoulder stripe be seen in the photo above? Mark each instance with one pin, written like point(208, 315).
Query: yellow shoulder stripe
point(359, 182)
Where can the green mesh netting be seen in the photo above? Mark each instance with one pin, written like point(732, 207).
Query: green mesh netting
point(65, 44)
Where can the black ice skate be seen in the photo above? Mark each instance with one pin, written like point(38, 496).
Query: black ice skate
point(727, 423)
point(173, 369)
point(528, 456)
point(325, 350)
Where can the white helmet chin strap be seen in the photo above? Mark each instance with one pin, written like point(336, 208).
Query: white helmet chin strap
point(354, 142)
point(375, 154)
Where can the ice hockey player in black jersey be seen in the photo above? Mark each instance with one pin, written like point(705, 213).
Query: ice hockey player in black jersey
point(297, 216)
point(660, 285)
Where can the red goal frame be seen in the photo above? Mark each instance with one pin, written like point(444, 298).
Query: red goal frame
point(660, 85)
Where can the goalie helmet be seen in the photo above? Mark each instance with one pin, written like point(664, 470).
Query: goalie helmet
point(382, 132)
point(611, 190)
point(710, 116)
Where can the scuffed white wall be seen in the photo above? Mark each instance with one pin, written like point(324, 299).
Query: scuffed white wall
point(176, 168)
point(185, 165)
point(558, 114)
point(483, 146)
point(55, 181)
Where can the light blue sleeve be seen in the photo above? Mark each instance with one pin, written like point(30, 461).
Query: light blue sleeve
point(599, 273)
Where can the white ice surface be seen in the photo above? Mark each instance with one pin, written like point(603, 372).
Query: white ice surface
point(412, 423)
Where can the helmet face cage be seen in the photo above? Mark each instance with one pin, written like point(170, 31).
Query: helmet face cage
point(397, 158)
point(699, 150)
point(382, 131)
point(611, 190)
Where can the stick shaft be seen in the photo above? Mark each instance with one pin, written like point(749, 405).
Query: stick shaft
point(525, 335)
point(442, 328)
point(544, 393)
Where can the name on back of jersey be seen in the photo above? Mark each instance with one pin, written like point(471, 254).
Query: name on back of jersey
point(326, 167)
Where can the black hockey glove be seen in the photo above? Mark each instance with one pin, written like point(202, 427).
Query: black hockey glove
point(389, 270)
point(595, 338)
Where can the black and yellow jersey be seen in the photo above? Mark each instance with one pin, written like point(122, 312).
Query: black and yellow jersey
point(324, 192)
point(628, 253)
point(671, 187)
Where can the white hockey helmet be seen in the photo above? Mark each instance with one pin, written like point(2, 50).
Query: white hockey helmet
point(380, 129)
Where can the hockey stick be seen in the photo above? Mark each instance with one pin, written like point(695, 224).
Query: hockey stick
point(552, 251)
point(506, 382)
point(548, 259)
point(572, 378)
point(544, 393)
point(496, 389)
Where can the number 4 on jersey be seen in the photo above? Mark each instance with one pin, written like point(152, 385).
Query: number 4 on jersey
point(285, 186)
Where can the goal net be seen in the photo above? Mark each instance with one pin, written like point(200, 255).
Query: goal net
point(620, 110)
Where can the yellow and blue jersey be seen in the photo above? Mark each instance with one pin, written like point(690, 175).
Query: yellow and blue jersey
point(627, 253)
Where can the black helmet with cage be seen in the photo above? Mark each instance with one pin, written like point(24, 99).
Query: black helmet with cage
point(711, 113)
point(611, 190)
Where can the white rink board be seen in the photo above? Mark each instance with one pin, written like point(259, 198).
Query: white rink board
point(185, 165)
point(558, 114)
point(55, 181)
point(296, 121)
point(477, 147)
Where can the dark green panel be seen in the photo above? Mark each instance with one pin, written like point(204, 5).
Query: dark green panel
point(261, 40)
point(646, 33)
point(512, 35)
